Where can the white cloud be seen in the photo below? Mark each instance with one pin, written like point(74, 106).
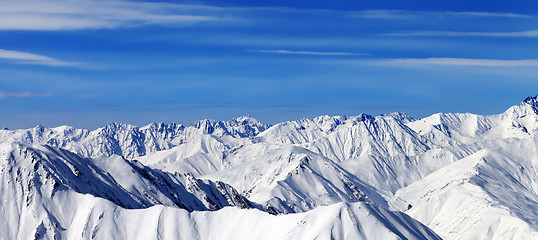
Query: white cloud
point(466, 62)
point(403, 14)
point(486, 14)
point(86, 14)
point(30, 58)
point(307, 52)
point(24, 94)
point(532, 33)
point(47, 15)
point(385, 14)
point(390, 13)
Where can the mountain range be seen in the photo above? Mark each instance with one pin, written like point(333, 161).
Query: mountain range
point(446, 176)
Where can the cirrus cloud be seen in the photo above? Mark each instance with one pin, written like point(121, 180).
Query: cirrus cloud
point(86, 14)
point(466, 62)
point(404, 14)
point(531, 33)
point(57, 15)
point(18, 57)
point(282, 51)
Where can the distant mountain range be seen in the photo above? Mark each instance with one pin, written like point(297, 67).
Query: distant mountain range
point(449, 175)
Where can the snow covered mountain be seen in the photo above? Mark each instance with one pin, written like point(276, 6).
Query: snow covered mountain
point(50, 193)
point(292, 179)
point(488, 195)
point(33, 176)
point(131, 141)
point(464, 176)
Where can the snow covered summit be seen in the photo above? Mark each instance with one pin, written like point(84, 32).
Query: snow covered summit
point(448, 175)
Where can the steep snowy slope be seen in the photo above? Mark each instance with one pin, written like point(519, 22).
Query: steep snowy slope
point(391, 152)
point(78, 216)
point(466, 176)
point(131, 141)
point(288, 178)
point(306, 130)
point(491, 194)
point(32, 175)
point(285, 178)
point(203, 154)
point(49, 193)
point(387, 152)
point(244, 126)
point(446, 129)
point(382, 151)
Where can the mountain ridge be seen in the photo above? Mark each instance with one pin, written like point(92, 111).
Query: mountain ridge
point(391, 162)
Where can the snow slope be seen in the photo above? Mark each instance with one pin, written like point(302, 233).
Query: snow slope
point(30, 174)
point(491, 194)
point(292, 179)
point(88, 217)
point(465, 176)
point(49, 193)
point(284, 178)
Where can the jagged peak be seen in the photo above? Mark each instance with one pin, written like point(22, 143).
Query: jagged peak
point(244, 119)
point(244, 126)
point(118, 125)
point(364, 116)
point(63, 128)
point(529, 106)
point(203, 122)
point(326, 123)
point(327, 117)
point(404, 117)
point(339, 119)
point(249, 120)
point(208, 126)
point(161, 125)
point(116, 128)
point(533, 101)
point(530, 99)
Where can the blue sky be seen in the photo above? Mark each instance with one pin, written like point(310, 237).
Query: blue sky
point(89, 63)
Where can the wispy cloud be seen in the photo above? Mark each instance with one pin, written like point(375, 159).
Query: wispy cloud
point(86, 14)
point(487, 14)
point(403, 14)
point(24, 94)
point(30, 58)
point(532, 33)
point(384, 13)
point(466, 62)
point(307, 52)
point(46, 15)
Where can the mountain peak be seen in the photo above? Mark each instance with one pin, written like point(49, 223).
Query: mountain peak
point(399, 116)
point(117, 125)
point(244, 126)
point(248, 120)
point(529, 106)
point(533, 101)
point(245, 118)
